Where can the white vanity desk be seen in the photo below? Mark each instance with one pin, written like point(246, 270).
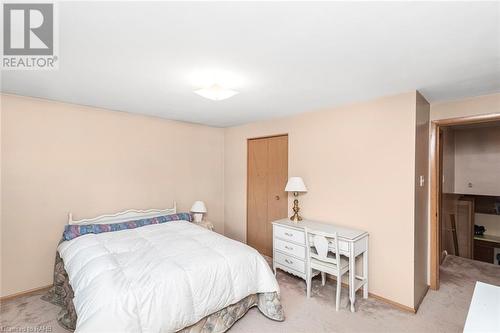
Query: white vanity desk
point(289, 252)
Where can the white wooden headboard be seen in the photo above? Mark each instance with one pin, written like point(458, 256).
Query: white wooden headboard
point(128, 215)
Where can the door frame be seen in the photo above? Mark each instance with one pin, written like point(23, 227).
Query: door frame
point(248, 161)
point(435, 185)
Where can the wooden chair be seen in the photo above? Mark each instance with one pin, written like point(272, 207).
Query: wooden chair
point(321, 256)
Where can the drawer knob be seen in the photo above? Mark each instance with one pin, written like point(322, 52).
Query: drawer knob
point(288, 261)
point(288, 247)
point(288, 234)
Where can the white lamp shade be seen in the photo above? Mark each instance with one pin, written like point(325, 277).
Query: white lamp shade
point(295, 184)
point(199, 207)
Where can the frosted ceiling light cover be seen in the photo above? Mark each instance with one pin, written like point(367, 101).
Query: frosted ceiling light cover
point(216, 92)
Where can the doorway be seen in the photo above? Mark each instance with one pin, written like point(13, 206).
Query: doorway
point(457, 200)
point(267, 201)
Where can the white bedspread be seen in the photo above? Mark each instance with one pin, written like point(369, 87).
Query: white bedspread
point(159, 278)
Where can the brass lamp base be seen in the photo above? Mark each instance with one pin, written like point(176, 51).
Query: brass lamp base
point(296, 217)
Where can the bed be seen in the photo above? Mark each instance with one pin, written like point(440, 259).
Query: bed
point(156, 271)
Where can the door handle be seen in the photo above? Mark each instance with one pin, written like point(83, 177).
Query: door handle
point(277, 197)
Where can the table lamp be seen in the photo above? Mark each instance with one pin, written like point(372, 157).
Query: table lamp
point(198, 210)
point(295, 185)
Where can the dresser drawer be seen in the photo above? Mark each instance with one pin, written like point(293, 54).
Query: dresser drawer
point(290, 248)
point(292, 235)
point(344, 246)
point(285, 260)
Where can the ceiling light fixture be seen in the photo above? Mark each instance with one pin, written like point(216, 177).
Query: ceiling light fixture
point(216, 93)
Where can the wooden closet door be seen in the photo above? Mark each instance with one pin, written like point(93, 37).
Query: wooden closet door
point(266, 198)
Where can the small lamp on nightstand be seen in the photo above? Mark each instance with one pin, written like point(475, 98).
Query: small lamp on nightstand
point(295, 185)
point(198, 210)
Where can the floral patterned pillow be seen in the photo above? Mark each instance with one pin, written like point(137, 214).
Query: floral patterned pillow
point(72, 231)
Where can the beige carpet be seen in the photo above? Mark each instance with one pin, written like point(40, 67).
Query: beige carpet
point(441, 311)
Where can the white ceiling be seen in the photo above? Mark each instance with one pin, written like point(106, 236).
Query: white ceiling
point(289, 57)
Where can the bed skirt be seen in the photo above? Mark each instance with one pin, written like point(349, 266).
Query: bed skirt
point(269, 304)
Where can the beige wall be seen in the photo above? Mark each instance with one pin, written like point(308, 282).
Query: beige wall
point(466, 107)
point(1, 223)
point(421, 198)
point(358, 163)
point(60, 157)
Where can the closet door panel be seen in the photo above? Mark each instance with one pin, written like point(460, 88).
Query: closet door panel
point(258, 160)
point(277, 198)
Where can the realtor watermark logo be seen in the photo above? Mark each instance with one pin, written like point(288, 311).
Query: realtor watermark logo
point(30, 36)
